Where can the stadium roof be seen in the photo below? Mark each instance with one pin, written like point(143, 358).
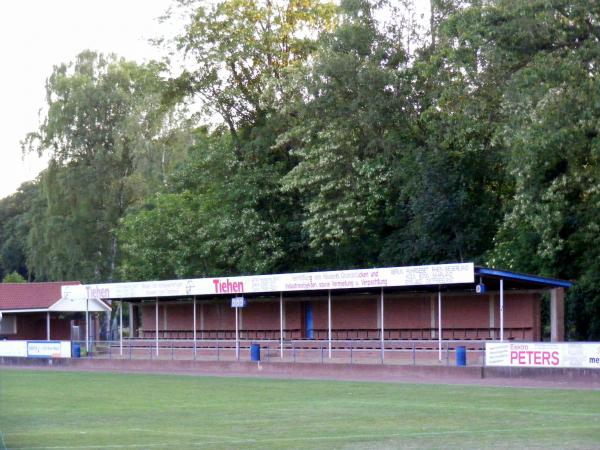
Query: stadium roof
point(456, 277)
point(39, 297)
point(521, 279)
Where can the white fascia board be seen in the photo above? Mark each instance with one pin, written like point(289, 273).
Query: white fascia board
point(429, 275)
point(79, 305)
point(13, 311)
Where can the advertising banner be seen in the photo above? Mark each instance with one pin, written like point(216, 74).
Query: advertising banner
point(36, 349)
point(439, 274)
point(13, 348)
point(538, 354)
point(48, 349)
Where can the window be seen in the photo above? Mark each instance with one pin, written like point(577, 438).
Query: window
point(8, 325)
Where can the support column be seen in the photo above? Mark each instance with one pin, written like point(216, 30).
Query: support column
point(87, 325)
point(194, 325)
point(121, 327)
point(440, 324)
point(433, 318)
point(382, 327)
point(501, 309)
point(557, 315)
point(156, 326)
point(237, 335)
point(492, 316)
point(131, 321)
point(329, 323)
point(281, 325)
point(48, 325)
point(202, 320)
point(537, 318)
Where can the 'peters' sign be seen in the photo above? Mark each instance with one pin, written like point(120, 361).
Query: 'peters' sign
point(538, 354)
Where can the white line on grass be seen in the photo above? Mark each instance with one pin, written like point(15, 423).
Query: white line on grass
point(379, 437)
point(2, 442)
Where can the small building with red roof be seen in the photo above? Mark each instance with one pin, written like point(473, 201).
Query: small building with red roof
point(36, 311)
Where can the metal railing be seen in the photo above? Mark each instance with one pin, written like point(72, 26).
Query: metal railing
point(290, 334)
point(352, 351)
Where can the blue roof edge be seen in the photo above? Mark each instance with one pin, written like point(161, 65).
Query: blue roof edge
point(524, 277)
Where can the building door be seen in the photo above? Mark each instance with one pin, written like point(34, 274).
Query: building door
point(309, 321)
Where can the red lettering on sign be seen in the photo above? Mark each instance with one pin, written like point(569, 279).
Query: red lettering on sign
point(227, 287)
point(534, 358)
point(546, 358)
point(97, 292)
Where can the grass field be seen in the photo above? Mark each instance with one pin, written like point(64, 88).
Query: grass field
point(53, 410)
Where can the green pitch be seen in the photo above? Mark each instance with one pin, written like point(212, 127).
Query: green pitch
point(53, 410)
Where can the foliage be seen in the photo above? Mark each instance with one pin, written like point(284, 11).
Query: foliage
point(225, 211)
point(14, 277)
point(448, 177)
point(104, 121)
point(345, 137)
point(209, 225)
point(15, 223)
point(239, 51)
point(551, 117)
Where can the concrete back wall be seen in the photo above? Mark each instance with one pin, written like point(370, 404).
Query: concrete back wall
point(496, 376)
point(521, 311)
point(33, 327)
point(408, 312)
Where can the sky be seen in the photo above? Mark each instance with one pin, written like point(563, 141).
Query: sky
point(35, 35)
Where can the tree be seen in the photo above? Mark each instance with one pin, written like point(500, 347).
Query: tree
point(550, 116)
point(228, 192)
point(14, 277)
point(105, 117)
point(15, 223)
point(341, 145)
point(345, 132)
point(207, 225)
point(240, 51)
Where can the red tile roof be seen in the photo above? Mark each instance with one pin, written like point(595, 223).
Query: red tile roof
point(31, 295)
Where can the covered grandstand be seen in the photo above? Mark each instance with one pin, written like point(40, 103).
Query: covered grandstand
point(376, 310)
